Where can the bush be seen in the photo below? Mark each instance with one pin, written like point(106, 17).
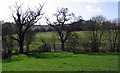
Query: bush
point(17, 57)
point(52, 55)
point(70, 46)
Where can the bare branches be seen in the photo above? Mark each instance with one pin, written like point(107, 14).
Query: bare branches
point(14, 38)
point(27, 18)
point(24, 21)
point(63, 17)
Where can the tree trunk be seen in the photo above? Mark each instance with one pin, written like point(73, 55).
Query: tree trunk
point(27, 48)
point(21, 44)
point(95, 47)
point(54, 47)
point(62, 45)
point(21, 47)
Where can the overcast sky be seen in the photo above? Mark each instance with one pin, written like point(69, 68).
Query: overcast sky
point(85, 8)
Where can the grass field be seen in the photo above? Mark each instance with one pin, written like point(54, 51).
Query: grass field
point(62, 61)
point(50, 38)
point(41, 36)
point(53, 38)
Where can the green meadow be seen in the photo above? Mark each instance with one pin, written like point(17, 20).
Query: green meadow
point(62, 61)
point(52, 38)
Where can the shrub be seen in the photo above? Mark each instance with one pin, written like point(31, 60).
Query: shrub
point(52, 55)
point(17, 57)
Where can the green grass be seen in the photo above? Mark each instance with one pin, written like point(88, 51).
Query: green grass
point(46, 36)
point(49, 38)
point(53, 38)
point(62, 61)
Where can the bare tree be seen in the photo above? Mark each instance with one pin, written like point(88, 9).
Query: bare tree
point(73, 42)
point(63, 18)
point(95, 26)
point(23, 21)
point(113, 35)
point(7, 42)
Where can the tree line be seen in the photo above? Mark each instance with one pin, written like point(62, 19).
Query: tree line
point(22, 34)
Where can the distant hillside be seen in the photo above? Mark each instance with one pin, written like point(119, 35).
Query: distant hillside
point(42, 26)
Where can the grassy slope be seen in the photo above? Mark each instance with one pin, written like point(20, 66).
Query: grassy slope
point(48, 37)
point(64, 62)
point(76, 62)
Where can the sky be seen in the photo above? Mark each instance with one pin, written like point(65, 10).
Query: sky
point(84, 8)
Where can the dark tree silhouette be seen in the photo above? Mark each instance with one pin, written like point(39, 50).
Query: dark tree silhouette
point(23, 21)
point(7, 42)
point(95, 25)
point(63, 19)
point(113, 35)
